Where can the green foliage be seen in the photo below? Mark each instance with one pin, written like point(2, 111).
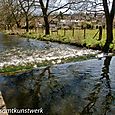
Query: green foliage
point(78, 39)
point(13, 68)
point(19, 68)
point(79, 58)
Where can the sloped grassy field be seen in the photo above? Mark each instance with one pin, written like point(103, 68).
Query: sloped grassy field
point(90, 41)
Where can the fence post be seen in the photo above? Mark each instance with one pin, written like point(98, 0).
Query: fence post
point(64, 31)
point(73, 32)
point(84, 33)
point(100, 32)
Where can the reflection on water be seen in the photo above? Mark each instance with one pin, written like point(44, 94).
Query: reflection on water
point(105, 71)
point(82, 88)
point(94, 95)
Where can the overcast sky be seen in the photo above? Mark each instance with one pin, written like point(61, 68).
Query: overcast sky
point(58, 3)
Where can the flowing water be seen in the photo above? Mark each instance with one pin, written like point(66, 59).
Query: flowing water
point(18, 51)
point(81, 88)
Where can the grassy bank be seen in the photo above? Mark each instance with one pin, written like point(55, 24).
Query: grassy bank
point(12, 70)
point(89, 40)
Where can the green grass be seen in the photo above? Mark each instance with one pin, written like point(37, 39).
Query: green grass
point(78, 38)
point(12, 70)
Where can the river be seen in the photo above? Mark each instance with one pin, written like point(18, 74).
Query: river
point(81, 88)
point(77, 88)
point(21, 51)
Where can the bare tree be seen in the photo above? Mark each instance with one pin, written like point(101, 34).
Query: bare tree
point(16, 13)
point(6, 13)
point(50, 6)
point(45, 15)
point(10, 13)
point(27, 7)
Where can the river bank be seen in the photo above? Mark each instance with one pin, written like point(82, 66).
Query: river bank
point(23, 53)
point(78, 39)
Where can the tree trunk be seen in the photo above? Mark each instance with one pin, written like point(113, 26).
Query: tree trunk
point(27, 24)
point(109, 33)
point(17, 23)
point(47, 27)
point(109, 24)
point(44, 11)
point(100, 32)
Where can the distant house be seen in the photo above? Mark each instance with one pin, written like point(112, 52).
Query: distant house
point(68, 22)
